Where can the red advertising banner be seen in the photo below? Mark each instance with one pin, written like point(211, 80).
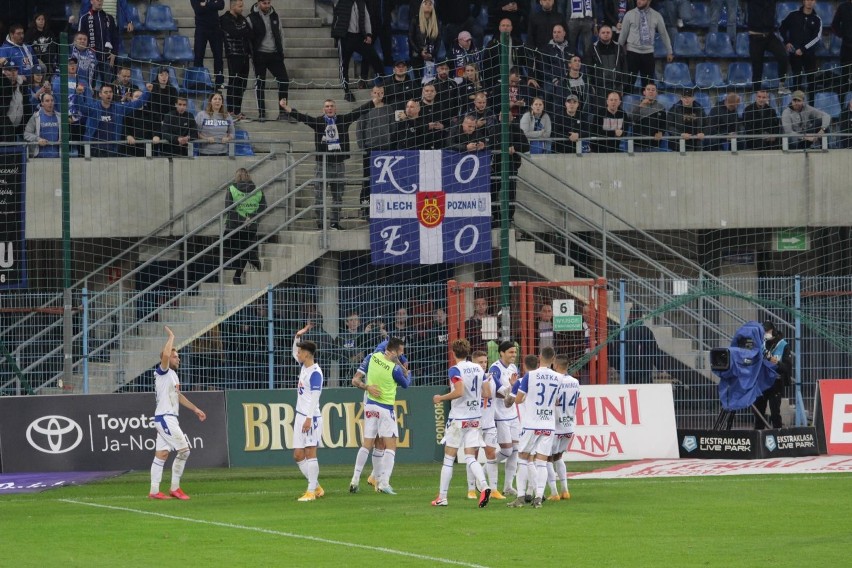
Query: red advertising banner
point(836, 400)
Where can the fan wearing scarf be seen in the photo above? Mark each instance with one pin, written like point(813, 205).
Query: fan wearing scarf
point(639, 27)
point(331, 137)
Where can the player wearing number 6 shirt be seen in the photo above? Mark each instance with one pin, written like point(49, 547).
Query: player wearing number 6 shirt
point(307, 427)
point(169, 435)
point(384, 374)
point(463, 423)
point(504, 373)
point(535, 394)
point(566, 412)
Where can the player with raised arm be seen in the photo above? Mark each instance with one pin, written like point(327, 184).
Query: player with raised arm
point(535, 395)
point(307, 427)
point(463, 423)
point(566, 412)
point(504, 373)
point(384, 374)
point(169, 435)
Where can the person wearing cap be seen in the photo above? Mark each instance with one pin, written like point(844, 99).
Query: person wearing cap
point(802, 124)
point(237, 42)
point(424, 33)
point(400, 88)
point(687, 120)
point(637, 37)
point(352, 30)
point(37, 87)
point(464, 53)
point(801, 32)
point(724, 120)
point(446, 89)
point(569, 126)
point(759, 118)
point(11, 103)
point(777, 353)
point(457, 17)
point(102, 32)
point(14, 50)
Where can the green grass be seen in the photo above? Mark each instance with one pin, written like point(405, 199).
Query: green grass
point(250, 518)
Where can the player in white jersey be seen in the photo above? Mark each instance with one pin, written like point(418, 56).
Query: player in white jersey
point(535, 395)
point(307, 426)
point(169, 435)
point(489, 429)
point(463, 429)
point(504, 373)
point(566, 412)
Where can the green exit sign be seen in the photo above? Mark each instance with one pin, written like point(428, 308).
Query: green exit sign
point(567, 323)
point(792, 240)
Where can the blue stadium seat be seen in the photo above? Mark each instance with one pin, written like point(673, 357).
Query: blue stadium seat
point(709, 76)
point(668, 100)
point(742, 45)
point(172, 76)
point(400, 47)
point(718, 44)
point(242, 149)
point(700, 15)
point(784, 8)
point(145, 48)
point(825, 11)
point(739, 74)
point(136, 78)
point(822, 50)
point(703, 100)
point(197, 80)
point(835, 45)
point(828, 103)
point(628, 104)
point(159, 18)
point(770, 75)
point(400, 18)
point(482, 17)
point(134, 18)
point(780, 102)
point(831, 67)
point(676, 75)
point(660, 48)
point(686, 45)
point(177, 48)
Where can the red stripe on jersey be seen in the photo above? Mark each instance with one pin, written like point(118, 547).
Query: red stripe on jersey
point(455, 379)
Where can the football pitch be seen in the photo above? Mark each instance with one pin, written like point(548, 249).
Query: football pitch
point(250, 518)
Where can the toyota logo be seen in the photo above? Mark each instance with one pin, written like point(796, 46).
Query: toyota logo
point(54, 434)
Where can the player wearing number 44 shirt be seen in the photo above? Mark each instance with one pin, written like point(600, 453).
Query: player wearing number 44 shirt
point(307, 427)
point(566, 412)
point(535, 394)
point(169, 435)
point(463, 425)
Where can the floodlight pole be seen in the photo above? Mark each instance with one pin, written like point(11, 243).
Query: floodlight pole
point(505, 158)
point(65, 166)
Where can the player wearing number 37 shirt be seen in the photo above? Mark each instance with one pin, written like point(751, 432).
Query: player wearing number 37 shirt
point(467, 380)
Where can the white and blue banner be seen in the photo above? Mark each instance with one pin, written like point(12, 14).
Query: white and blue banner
point(13, 183)
point(430, 207)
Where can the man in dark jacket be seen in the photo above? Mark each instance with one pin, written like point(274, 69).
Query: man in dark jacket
point(207, 30)
point(761, 119)
point(268, 51)
point(724, 120)
point(762, 38)
point(841, 25)
point(607, 64)
point(687, 120)
point(801, 32)
point(352, 30)
point(103, 34)
point(237, 39)
point(331, 138)
point(179, 128)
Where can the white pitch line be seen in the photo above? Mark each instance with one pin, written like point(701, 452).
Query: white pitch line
point(278, 533)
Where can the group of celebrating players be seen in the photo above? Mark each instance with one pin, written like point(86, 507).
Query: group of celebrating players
point(525, 421)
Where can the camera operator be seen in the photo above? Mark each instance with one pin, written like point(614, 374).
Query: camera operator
point(776, 350)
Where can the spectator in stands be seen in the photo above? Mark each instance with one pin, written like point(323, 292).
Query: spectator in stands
point(519, 95)
point(42, 130)
point(350, 344)
point(447, 90)
point(687, 120)
point(250, 203)
point(760, 119)
point(424, 33)
point(410, 131)
point(43, 42)
point(400, 326)
point(268, 53)
point(139, 125)
point(724, 120)
point(468, 87)
point(541, 24)
point(473, 325)
point(430, 351)
point(37, 86)
point(373, 132)
point(381, 16)
point(575, 83)
point(400, 88)
point(467, 138)
point(674, 13)
point(803, 124)
point(715, 13)
point(105, 118)
point(516, 11)
point(649, 119)
point(86, 58)
point(552, 66)
point(546, 336)
point(207, 30)
point(607, 65)
point(569, 126)
point(762, 37)
point(581, 16)
point(610, 123)
point(485, 115)
point(637, 36)
point(436, 119)
point(237, 41)
point(844, 126)
point(841, 25)
point(457, 17)
point(331, 139)
point(118, 9)
point(122, 89)
point(464, 52)
point(801, 32)
point(352, 31)
point(102, 32)
point(11, 103)
point(76, 120)
point(612, 14)
point(215, 127)
point(14, 50)
point(163, 97)
point(536, 125)
point(179, 129)
point(490, 69)
point(518, 144)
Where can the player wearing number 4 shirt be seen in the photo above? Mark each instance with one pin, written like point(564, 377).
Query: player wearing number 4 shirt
point(307, 427)
point(566, 412)
point(463, 424)
point(169, 435)
point(536, 395)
